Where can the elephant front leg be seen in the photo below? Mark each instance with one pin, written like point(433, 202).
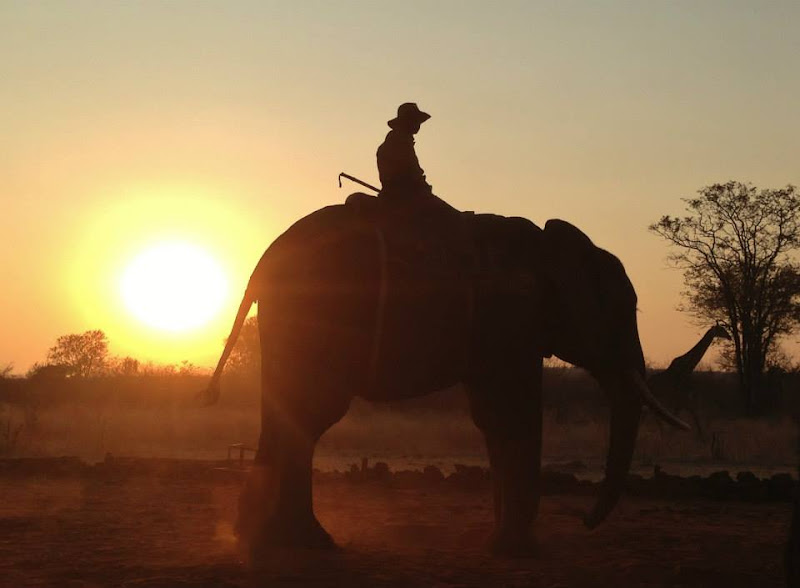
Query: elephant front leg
point(508, 410)
point(516, 473)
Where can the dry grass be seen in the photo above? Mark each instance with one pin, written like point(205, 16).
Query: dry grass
point(157, 417)
point(401, 439)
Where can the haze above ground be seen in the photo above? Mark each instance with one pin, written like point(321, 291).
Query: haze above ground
point(222, 123)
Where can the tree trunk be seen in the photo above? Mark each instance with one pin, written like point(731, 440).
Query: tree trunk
point(753, 364)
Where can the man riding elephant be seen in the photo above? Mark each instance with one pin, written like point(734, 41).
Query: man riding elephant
point(412, 219)
point(400, 173)
point(403, 183)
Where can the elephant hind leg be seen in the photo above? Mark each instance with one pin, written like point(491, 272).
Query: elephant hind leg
point(507, 407)
point(276, 505)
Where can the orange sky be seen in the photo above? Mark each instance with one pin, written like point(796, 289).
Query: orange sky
point(221, 123)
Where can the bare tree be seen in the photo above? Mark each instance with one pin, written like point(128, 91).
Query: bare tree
point(82, 355)
point(122, 366)
point(734, 249)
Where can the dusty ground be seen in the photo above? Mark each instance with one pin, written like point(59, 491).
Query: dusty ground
point(147, 532)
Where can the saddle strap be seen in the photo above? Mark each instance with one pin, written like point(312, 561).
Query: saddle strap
point(380, 309)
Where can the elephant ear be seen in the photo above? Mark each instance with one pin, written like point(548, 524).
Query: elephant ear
point(575, 269)
point(568, 250)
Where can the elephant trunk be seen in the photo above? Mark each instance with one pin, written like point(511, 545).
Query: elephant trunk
point(626, 409)
point(628, 394)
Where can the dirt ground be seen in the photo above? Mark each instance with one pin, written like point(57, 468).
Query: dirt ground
point(149, 531)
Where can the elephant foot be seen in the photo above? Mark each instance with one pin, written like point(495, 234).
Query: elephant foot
point(513, 544)
point(285, 534)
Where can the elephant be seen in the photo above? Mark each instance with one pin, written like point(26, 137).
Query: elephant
point(340, 317)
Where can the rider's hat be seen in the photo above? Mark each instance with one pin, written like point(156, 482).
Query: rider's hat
point(409, 112)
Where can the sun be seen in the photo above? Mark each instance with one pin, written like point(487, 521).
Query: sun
point(174, 286)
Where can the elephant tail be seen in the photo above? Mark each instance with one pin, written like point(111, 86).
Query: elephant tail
point(210, 395)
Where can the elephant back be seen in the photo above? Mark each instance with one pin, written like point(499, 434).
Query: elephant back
point(389, 298)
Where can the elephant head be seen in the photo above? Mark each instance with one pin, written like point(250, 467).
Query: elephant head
point(592, 324)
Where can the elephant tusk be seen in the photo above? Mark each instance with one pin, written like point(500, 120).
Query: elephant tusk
point(652, 402)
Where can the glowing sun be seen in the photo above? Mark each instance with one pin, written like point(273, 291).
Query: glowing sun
point(174, 286)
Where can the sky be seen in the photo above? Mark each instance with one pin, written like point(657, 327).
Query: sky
point(220, 123)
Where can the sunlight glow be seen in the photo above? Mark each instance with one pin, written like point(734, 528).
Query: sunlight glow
point(174, 286)
point(121, 223)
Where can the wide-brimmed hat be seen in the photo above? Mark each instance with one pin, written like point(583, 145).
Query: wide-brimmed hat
point(409, 112)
